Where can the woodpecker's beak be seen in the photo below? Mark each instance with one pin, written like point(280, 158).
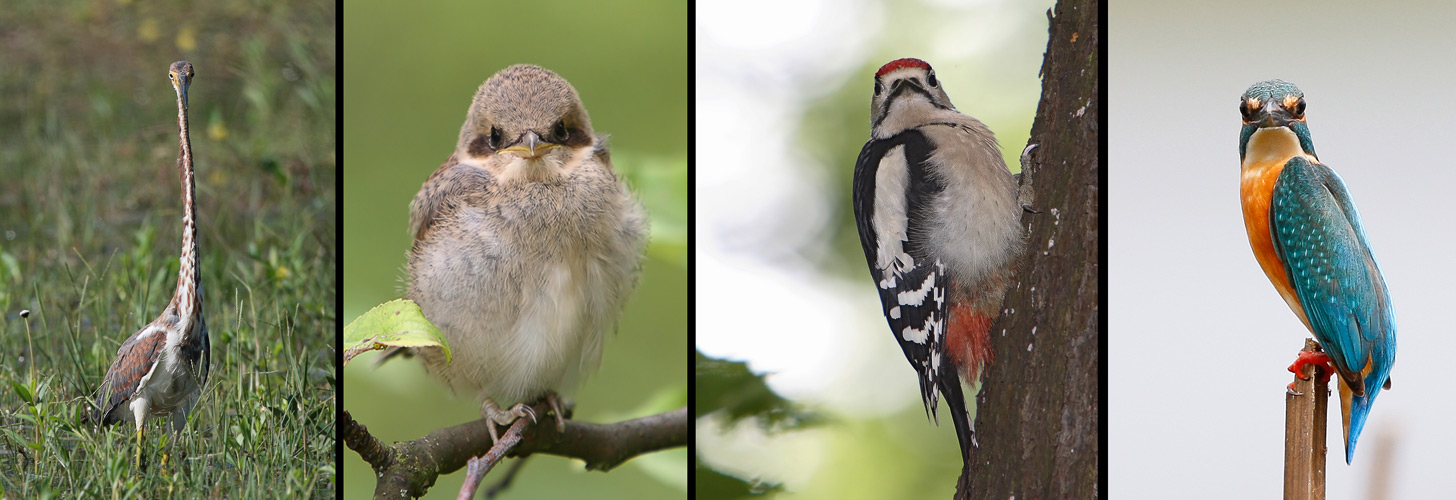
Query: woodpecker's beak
point(904, 84)
point(529, 146)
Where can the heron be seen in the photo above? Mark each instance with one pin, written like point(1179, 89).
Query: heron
point(160, 369)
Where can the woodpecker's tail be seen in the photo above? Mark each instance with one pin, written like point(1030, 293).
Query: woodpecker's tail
point(955, 400)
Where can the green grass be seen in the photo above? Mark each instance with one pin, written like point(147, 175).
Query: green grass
point(90, 218)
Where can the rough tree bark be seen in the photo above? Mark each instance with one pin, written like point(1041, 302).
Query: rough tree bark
point(1038, 412)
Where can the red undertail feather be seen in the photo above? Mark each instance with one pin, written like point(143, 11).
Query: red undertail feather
point(968, 340)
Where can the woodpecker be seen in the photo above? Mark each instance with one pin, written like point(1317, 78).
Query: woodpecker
point(937, 212)
point(526, 246)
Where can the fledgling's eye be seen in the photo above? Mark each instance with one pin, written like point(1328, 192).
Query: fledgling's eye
point(878, 87)
point(559, 133)
point(932, 81)
point(495, 138)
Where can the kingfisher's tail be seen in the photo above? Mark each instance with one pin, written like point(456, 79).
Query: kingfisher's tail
point(1355, 409)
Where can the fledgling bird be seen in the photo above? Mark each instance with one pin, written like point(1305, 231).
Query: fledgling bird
point(1307, 236)
point(937, 212)
point(526, 246)
point(160, 369)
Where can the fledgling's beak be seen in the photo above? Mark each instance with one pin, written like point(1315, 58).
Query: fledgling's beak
point(530, 146)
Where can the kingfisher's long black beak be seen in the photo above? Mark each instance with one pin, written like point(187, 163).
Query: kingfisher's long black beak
point(1274, 115)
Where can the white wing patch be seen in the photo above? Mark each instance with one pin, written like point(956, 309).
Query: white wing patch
point(917, 297)
point(891, 180)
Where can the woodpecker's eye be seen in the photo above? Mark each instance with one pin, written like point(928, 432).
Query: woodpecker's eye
point(931, 80)
point(878, 87)
point(495, 138)
point(558, 133)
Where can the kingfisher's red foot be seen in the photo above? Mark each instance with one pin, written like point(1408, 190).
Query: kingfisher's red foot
point(1316, 358)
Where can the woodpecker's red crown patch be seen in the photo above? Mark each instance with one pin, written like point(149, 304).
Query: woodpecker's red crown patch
point(908, 62)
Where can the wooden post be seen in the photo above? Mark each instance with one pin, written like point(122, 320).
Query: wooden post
point(1304, 433)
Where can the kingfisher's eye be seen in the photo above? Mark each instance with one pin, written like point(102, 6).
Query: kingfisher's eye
point(1248, 109)
point(932, 81)
point(1299, 109)
point(495, 138)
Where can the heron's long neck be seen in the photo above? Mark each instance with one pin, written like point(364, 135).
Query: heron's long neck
point(189, 280)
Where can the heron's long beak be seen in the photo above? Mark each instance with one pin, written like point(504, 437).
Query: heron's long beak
point(180, 82)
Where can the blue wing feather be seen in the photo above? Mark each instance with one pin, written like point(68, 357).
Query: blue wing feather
point(1318, 236)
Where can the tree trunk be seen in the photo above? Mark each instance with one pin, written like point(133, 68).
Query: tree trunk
point(1038, 409)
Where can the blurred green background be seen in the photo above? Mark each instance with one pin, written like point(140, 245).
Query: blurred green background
point(411, 72)
point(90, 230)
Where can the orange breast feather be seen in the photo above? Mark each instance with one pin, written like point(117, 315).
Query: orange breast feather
point(1256, 189)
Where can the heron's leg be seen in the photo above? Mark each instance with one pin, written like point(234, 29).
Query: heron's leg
point(139, 413)
point(139, 444)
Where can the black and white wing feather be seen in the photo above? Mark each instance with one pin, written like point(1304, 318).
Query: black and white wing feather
point(893, 190)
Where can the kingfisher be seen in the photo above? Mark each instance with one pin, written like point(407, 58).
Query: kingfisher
point(1307, 236)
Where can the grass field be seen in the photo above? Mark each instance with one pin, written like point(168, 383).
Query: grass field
point(90, 221)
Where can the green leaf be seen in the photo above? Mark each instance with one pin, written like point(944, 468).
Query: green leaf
point(23, 392)
point(730, 387)
point(397, 323)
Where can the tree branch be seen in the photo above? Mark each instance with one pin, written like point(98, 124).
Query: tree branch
point(409, 468)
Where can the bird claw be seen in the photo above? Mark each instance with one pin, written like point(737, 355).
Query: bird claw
point(1290, 390)
point(496, 416)
point(1319, 359)
point(1024, 193)
point(555, 401)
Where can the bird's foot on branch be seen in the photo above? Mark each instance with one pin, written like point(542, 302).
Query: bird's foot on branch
point(496, 416)
point(557, 404)
point(1319, 359)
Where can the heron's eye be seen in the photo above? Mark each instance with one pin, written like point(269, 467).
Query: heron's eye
point(558, 133)
point(495, 138)
point(932, 81)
